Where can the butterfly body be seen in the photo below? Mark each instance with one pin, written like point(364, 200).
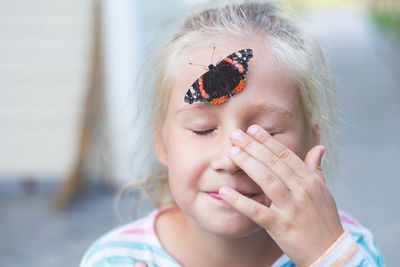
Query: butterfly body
point(222, 81)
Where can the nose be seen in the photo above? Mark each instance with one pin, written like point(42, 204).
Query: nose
point(221, 161)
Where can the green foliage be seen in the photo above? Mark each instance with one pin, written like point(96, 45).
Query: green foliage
point(304, 4)
point(388, 21)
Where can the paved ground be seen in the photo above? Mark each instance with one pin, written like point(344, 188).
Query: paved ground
point(368, 79)
point(33, 233)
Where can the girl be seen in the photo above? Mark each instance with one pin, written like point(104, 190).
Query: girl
point(245, 175)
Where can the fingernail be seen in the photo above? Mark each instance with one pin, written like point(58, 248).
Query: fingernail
point(224, 191)
point(234, 150)
point(253, 130)
point(236, 135)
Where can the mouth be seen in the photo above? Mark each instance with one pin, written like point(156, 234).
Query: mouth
point(215, 194)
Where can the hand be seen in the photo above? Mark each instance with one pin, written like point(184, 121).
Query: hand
point(302, 218)
point(140, 264)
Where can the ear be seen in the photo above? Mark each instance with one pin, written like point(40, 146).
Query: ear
point(161, 151)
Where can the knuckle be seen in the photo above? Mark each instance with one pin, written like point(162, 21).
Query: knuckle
point(295, 210)
point(268, 179)
point(272, 161)
point(255, 210)
point(303, 195)
point(284, 154)
point(265, 138)
point(314, 183)
point(285, 223)
point(315, 186)
point(246, 143)
point(244, 159)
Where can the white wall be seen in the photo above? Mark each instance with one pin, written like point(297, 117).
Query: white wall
point(122, 41)
point(45, 48)
point(44, 60)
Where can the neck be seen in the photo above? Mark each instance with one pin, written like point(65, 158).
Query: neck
point(254, 249)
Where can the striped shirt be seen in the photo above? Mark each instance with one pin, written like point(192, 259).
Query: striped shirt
point(137, 241)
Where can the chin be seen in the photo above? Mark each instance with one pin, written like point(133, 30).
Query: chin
point(233, 227)
point(239, 233)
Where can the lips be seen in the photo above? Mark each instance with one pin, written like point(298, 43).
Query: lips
point(216, 195)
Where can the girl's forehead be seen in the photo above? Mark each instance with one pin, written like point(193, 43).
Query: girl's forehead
point(206, 53)
point(194, 60)
point(265, 79)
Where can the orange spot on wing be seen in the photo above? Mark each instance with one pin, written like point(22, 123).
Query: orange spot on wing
point(239, 87)
point(220, 100)
point(201, 86)
point(223, 98)
point(237, 65)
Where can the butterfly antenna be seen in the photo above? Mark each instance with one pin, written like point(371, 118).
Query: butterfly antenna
point(212, 57)
point(197, 64)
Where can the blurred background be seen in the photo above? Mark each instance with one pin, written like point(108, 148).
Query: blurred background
point(67, 72)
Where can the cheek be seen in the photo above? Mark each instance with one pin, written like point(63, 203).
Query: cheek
point(295, 142)
point(186, 162)
point(288, 141)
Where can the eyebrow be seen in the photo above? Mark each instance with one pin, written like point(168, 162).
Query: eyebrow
point(194, 106)
point(254, 109)
point(266, 108)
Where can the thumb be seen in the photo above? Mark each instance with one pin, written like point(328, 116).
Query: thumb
point(313, 159)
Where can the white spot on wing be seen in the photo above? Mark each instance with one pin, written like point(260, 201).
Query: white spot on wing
point(238, 54)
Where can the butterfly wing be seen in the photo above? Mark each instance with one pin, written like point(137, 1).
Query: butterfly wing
point(231, 72)
point(197, 92)
point(238, 60)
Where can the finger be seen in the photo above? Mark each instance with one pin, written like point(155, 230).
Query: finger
point(140, 264)
point(271, 185)
point(266, 157)
point(281, 151)
point(260, 214)
point(313, 160)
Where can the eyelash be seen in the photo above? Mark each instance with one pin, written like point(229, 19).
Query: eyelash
point(209, 131)
point(206, 132)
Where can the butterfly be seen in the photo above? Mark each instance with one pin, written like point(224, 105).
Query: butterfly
point(224, 80)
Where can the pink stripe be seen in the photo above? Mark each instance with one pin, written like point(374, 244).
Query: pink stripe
point(144, 220)
point(139, 231)
point(346, 219)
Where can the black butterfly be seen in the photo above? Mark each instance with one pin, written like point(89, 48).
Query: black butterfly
point(222, 81)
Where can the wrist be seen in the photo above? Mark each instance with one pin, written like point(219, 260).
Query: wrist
point(343, 248)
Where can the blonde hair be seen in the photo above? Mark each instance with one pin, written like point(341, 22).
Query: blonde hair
point(287, 39)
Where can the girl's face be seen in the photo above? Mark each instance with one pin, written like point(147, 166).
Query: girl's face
point(195, 142)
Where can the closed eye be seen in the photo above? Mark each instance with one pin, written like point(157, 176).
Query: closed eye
point(205, 132)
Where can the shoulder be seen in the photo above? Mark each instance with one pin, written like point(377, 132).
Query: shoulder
point(127, 244)
point(363, 237)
